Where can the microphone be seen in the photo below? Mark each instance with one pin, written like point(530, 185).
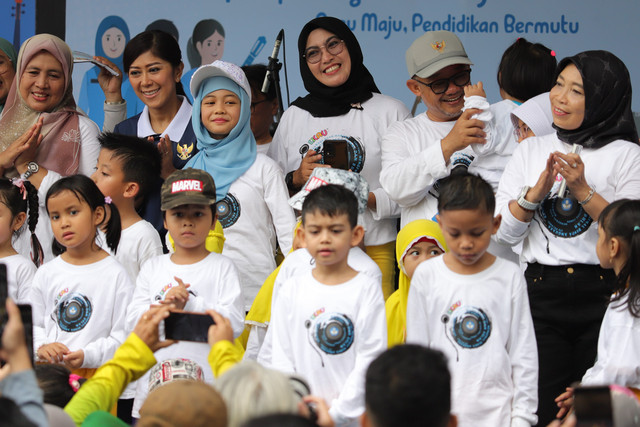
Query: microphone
point(563, 185)
point(272, 61)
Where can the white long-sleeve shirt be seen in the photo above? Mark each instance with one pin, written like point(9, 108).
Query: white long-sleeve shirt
point(483, 324)
point(299, 131)
point(618, 359)
point(213, 284)
point(81, 306)
point(255, 212)
point(297, 263)
point(329, 334)
point(412, 162)
point(613, 171)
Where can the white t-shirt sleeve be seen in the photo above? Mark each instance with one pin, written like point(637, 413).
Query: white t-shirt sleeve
point(408, 176)
point(278, 147)
point(38, 308)
point(618, 349)
point(24, 270)
point(417, 316)
point(228, 302)
point(523, 354)
point(102, 349)
point(140, 300)
point(90, 148)
point(276, 197)
point(512, 230)
point(281, 340)
point(371, 325)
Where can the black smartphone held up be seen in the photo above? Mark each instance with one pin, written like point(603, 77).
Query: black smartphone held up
point(187, 326)
point(593, 406)
point(335, 153)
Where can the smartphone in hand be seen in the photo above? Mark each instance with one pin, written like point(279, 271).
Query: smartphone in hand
point(335, 153)
point(187, 326)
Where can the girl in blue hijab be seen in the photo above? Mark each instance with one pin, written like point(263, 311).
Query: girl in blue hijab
point(252, 198)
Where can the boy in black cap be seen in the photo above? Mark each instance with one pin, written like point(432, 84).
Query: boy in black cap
point(191, 278)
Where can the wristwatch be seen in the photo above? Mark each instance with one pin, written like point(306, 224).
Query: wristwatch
point(288, 179)
point(524, 203)
point(32, 167)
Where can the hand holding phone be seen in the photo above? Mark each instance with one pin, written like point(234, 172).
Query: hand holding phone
point(187, 326)
point(335, 153)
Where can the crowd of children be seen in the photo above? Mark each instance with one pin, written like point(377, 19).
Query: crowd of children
point(516, 255)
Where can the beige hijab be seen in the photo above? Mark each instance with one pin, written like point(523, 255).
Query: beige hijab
point(60, 147)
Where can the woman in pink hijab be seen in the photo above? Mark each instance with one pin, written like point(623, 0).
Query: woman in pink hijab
point(40, 126)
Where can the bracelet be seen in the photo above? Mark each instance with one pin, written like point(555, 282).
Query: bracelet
point(588, 198)
point(115, 103)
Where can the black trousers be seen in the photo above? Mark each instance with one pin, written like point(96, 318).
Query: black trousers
point(567, 306)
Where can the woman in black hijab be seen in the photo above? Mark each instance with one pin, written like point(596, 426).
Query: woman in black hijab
point(343, 106)
point(596, 153)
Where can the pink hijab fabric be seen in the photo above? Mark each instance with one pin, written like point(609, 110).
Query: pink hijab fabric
point(60, 147)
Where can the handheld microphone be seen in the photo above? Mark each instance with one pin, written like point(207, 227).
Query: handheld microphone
point(563, 185)
point(272, 61)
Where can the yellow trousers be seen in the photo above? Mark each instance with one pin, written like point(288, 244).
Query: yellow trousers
point(385, 256)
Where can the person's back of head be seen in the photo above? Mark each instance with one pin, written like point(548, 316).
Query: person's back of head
point(466, 192)
point(251, 390)
point(255, 74)
point(57, 383)
point(331, 200)
point(184, 403)
point(408, 385)
point(140, 159)
point(526, 70)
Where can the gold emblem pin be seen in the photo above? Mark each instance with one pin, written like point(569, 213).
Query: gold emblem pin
point(439, 46)
point(184, 151)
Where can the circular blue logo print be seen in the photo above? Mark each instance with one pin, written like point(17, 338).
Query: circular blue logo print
point(471, 327)
point(73, 312)
point(333, 333)
point(564, 217)
point(228, 210)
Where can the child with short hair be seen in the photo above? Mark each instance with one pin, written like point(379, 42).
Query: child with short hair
point(125, 172)
point(191, 278)
point(474, 307)
point(328, 324)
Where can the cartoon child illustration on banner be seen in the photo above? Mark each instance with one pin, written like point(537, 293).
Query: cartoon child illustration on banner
point(205, 46)
point(111, 38)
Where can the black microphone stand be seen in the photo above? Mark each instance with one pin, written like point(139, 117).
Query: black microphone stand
point(273, 70)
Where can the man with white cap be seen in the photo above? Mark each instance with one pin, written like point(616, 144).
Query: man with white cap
point(417, 152)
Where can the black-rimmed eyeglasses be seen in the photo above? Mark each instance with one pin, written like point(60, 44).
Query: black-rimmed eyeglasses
point(440, 86)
